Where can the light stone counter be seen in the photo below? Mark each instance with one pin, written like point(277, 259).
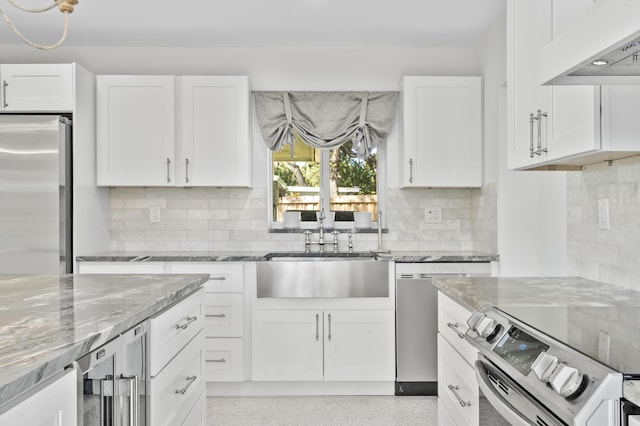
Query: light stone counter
point(572, 310)
point(400, 257)
point(49, 321)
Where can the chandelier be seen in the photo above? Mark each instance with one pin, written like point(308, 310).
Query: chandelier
point(64, 6)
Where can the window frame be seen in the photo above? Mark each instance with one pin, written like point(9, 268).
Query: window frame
point(324, 194)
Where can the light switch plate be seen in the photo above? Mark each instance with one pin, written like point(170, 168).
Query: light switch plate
point(154, 214)
point(433, 214)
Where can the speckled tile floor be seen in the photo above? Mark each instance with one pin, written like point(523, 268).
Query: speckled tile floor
point(322, 410)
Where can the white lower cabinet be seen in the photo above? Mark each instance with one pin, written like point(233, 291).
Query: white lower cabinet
point(457, 387)
point(53, 404)
point(224, 360)
point(224, 309)
point(287, 345)
point(359, 346)
point(458, 392)
point(312, 345)
point(176, 361)
point(444, 418)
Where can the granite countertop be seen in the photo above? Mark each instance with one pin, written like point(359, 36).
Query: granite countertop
point(572, 310)
point(396, 256)
point(49, 321)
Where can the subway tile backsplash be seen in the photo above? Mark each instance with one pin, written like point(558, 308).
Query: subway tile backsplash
point(609, 255)
point(222, 219)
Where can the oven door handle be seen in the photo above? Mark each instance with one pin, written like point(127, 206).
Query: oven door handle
point(503, 407)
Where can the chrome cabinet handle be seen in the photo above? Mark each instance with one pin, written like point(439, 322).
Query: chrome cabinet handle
point(187, 323)
point(186, 170)
point(410, 170)
point(217, 316)
point(4, 93)
point(168, 170)
point(531, 120)
point(222, 360)
point(454, 390)
point(540, 116)
point(454, 327)
point(317, 327)
point(329, 335)
point(223, 278)
point(190, 381)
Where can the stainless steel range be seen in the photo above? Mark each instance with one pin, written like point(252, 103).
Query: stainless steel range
point(532, 378)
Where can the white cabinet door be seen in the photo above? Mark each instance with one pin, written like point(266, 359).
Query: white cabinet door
point(545, 122)
point(215, 131)
point(528, 29)
point(442, 140)
point(287, 345)
point(135, 130)
point(359, 346)
point(37, 87)
point(54, 404)
point(574, 125)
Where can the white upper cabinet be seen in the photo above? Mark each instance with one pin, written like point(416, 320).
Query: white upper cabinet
point(136, 130)
point(215, 131)
point(173, 131)
point(555, 127)
point(442, 125)
point(36, 87)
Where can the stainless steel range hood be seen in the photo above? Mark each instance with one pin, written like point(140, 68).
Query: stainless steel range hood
point(601, 47)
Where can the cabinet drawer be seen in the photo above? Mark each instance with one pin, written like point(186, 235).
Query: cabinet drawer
point(224, 315)
point(121, 267)
point(171, 330)
point(178, 387)
point(198, 414)
point(457, 385)
point(225, 277)
point(224, 360)
point(444, 418)
point(452, 323)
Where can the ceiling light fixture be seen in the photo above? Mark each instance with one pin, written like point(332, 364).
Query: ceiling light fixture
point(64, 6)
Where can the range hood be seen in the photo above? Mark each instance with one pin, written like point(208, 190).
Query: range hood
point(601, 47)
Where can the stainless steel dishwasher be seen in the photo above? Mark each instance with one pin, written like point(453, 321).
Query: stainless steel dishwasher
point(417, 322)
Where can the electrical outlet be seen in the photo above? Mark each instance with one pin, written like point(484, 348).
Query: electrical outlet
point(603, 213)
point(433, 214)
point(154, 214)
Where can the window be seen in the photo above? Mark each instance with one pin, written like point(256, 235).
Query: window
point(333, 179)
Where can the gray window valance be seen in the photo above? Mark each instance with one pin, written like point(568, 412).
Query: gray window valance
point(326, 119)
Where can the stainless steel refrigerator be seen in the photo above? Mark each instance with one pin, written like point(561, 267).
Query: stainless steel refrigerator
point(35, 194)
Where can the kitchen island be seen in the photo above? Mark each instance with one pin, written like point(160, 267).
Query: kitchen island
point(600, 320)
point(49, 321)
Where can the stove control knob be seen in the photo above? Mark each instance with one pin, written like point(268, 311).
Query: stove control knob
point(487, 327)
point(567, 381)
point(475, 319)
point(544, 366)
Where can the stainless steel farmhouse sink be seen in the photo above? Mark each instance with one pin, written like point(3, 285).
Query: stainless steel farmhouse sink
point(322, 275)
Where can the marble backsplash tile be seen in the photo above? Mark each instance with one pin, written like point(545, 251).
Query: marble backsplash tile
point(220, 219)
point(609, 255)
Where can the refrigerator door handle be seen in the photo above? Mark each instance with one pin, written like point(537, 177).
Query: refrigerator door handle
point(134, 397)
